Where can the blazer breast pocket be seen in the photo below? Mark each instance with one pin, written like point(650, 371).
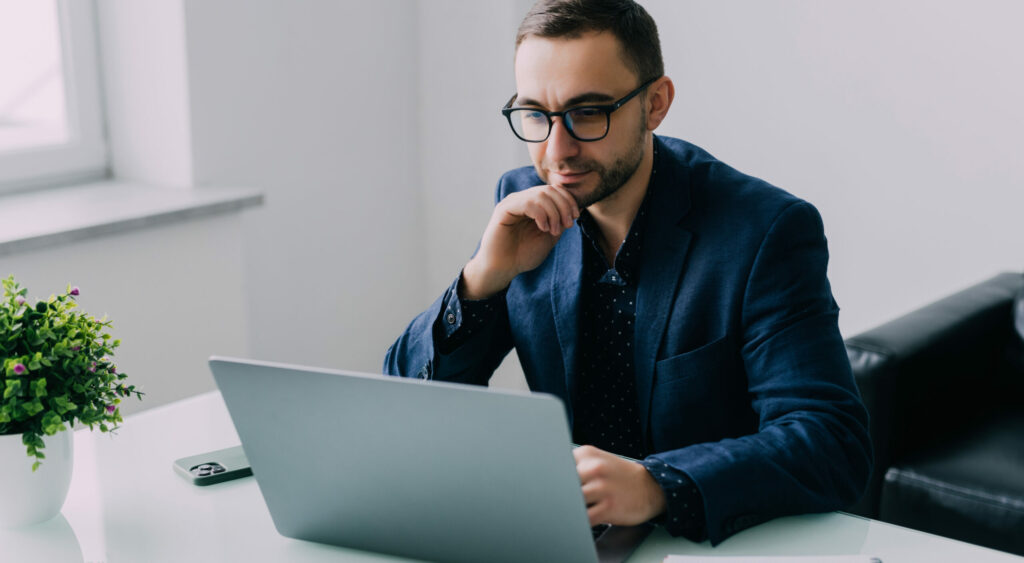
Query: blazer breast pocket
point(690, 400)
point(706, 360)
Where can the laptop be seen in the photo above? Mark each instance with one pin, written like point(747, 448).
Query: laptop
point(420, 469)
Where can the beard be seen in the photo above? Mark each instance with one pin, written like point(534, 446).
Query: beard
point(611, 177)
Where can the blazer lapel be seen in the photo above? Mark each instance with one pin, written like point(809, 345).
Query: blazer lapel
point(665, 246)
point(565, 289)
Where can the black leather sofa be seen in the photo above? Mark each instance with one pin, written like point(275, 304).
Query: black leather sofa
point(944, 386)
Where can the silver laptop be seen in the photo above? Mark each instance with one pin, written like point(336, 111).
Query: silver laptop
point(426, 470)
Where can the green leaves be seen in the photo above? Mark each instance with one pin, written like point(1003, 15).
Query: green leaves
point(55, 368)
point(33, 443)
point(52, 423)
point(33, 407)
point(63, 404)
point(38, 388)
point(36, 362)
point(12, 388)
point(31, 439)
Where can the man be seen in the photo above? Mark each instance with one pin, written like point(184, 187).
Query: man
point(679, 308)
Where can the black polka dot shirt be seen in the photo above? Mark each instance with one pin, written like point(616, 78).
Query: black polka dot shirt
point(605, 412)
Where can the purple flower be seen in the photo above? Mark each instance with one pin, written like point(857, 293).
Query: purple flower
point(113, 369)
point(19, 369)
point(74, 290)
point(75, 348)
point(19, 300)
point(111, 409)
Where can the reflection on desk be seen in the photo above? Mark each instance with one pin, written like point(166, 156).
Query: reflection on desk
point(127, 504)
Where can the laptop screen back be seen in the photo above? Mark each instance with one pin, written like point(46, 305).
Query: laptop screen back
point(427, 470)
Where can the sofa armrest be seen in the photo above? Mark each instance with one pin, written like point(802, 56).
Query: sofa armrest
point(931, 371)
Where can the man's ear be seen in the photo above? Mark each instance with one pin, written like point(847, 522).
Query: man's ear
point(659, 99)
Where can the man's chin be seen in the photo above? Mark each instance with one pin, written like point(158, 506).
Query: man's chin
point(580, 191)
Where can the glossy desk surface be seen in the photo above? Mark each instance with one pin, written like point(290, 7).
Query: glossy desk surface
point(127, 504)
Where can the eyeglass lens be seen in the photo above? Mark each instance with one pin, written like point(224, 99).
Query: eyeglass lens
point(584, 123)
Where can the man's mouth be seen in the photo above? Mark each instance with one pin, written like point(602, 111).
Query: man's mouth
point(567, 177)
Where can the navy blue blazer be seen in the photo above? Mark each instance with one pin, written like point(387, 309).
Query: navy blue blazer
point(742, 377)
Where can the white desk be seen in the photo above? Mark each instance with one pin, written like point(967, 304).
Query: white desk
point(128, 505)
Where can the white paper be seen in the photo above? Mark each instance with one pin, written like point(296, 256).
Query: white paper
point(772, 559)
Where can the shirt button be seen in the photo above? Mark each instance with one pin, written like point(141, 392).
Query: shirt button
point(451, 318)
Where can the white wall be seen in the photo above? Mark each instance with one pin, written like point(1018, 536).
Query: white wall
point(314, 103)
point(465, 75)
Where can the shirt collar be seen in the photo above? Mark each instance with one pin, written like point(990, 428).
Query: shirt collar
point(627, 257)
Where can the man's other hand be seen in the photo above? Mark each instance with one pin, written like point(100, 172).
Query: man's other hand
point(523, 229)
point(617, 491)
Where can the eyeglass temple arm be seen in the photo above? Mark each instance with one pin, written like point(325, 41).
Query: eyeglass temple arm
point(508, 104)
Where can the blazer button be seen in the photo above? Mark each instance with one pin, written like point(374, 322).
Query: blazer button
point(451, 318)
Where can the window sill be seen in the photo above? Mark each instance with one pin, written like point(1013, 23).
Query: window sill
point(40, 219)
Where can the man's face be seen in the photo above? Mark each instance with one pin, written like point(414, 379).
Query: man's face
point(556, 74)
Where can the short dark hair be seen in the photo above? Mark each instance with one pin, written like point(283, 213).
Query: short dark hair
point(625, 19)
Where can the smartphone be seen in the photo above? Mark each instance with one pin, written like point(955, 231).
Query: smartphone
point(214, 467)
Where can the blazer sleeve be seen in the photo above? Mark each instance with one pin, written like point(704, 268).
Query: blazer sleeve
point(811, 452)
point(426, 351)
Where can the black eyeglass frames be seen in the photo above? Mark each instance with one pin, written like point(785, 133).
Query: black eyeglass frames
point(585, 123)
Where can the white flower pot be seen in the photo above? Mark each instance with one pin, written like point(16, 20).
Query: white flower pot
point(28, 497)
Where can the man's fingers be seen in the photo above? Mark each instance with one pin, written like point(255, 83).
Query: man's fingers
point(552, 208)
point(597, 514)
point(584, 452)
point(545, 213)
point(590, 469)
point(566, 205)
point(593, 492)
point(563, 205)
point(615, 490)
point(590, 463)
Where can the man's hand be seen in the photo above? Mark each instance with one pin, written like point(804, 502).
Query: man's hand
point(616, 490)
point(521, 233)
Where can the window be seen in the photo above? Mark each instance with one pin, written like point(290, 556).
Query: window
point(50, 114)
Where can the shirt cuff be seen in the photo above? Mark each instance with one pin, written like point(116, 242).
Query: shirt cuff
point(684, 505)
point(461, 318)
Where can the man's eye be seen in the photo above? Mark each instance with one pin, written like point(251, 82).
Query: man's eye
point(586, 113)
point(533, 116)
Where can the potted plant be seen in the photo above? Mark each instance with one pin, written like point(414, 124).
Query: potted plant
point(55, 371)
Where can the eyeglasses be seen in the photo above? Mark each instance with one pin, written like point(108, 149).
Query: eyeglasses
point(584, 123)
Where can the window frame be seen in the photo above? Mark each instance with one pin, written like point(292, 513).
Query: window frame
point(84, 156)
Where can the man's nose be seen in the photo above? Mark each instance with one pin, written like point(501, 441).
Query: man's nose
point(561, 145)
